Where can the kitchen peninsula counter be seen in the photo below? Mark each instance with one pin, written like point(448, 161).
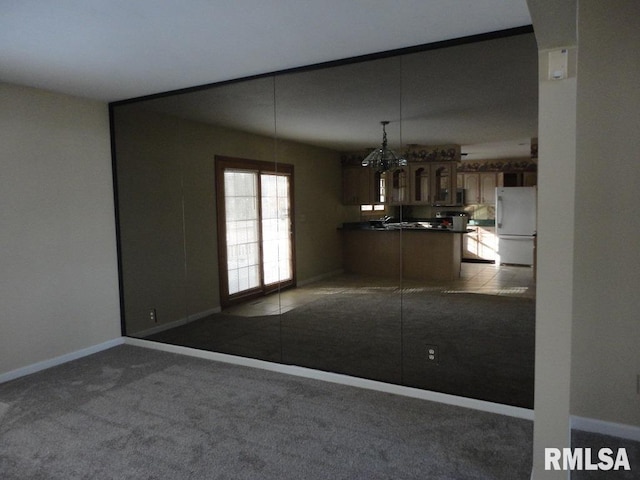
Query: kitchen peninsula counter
point(416, 253)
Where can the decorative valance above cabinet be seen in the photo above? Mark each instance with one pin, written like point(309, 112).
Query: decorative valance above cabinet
point(500, 166)
point(413, 153)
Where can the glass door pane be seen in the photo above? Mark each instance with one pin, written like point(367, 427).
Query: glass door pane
point(276, 228)
point(242, 227)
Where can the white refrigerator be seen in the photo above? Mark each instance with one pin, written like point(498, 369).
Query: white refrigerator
point(516, 224)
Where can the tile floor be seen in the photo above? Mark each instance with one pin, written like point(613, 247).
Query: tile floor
point(488, 279)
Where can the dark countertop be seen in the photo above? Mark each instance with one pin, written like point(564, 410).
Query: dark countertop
point(392, 227)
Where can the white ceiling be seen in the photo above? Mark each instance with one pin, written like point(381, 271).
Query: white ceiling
point(111, 50)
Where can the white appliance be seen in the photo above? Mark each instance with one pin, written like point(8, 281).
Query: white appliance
point(516, 224)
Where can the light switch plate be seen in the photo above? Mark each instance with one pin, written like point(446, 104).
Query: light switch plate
point(558, 64)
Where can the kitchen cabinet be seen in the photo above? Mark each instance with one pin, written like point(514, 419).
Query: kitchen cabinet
point(480, 188)
point(470, 245)
point(518, 179)
point(487, 243)
point(426, 254)
point(482, 244)
point(529, 179)
point(420, 174)
point(360, 185)
point(419, 183)
point(397, 186)
point(471, 185)
point(444, 192)
point(488, 184)
point(432, 183)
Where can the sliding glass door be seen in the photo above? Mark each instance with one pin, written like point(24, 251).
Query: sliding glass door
point(254, 208)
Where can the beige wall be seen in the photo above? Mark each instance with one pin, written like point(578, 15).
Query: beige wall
point(606, 325)
point(164, 160)
point(151, 233)
point(59, 288)
point(587, 355)
point(319, 209)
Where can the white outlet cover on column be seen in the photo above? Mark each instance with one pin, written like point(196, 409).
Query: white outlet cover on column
point(558, 60)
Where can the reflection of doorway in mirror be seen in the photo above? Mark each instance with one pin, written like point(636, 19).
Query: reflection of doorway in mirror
point(256, 229)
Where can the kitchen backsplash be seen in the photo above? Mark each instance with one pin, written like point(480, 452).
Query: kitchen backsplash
point(481, 212)
point(477, 212)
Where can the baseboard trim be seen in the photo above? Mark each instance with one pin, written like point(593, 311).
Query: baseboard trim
point(602, 427)
point(464, 402)
point(43, 365)
point(178, 323)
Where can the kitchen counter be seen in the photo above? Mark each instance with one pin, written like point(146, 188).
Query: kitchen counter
point(415, 253)
point(390, 227)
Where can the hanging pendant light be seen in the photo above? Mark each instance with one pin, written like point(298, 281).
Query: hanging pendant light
point(383, 159)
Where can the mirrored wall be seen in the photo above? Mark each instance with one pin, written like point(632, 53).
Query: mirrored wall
point(235, 235)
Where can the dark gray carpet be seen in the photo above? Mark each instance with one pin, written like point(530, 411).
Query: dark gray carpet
point(595, 442)
point(486, 342)
point(486, 346)
point(135, 413)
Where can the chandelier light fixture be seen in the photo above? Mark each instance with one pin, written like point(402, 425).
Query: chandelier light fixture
point(383, 159)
